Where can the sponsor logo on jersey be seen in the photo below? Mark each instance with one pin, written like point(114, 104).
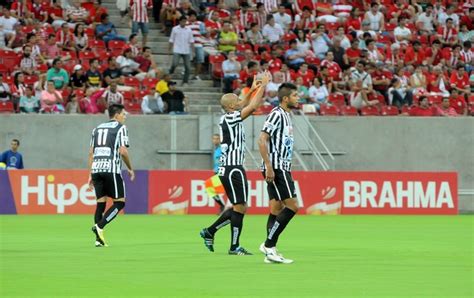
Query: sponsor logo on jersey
point(102, 151)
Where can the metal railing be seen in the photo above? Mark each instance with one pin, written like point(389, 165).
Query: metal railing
point(316, 152)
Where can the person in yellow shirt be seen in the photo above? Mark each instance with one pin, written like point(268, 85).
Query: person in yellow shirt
point(227, 38)
point(162, 85)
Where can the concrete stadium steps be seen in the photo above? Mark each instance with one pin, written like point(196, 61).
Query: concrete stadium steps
point(203, 96)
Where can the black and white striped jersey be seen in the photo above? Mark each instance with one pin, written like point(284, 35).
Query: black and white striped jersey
point(280, 128)
point(106, 141)
point(232, 139)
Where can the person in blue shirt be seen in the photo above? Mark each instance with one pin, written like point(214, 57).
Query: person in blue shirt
point(12, 158)
point(106, 30)
point(213, 185)
point(294, 57)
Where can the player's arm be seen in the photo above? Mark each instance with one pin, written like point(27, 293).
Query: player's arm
point(126, 159)
point(263, 148)
point(257, 99)
point(89, 166)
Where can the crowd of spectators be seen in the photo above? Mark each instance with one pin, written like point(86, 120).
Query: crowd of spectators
point(372, 57)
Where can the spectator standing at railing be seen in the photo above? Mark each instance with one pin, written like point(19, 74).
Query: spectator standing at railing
point(12, 158)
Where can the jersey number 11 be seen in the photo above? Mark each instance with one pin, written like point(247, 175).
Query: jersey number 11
point(102, 137)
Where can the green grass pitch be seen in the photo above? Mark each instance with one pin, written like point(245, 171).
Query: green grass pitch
point(163, 256)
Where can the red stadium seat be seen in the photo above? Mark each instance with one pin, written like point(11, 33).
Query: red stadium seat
point(79, 94)
point(6, 107)
point(369, 111)
point(215, 62)
point(289, 36)
point(89, 32)
point(389, 111)
point(313, 61)
point(131, 82)
point(243, 47)
point(406, 109)
point(149, 83)
point(349, 111)
point(337, 99)
point(8, 79)
point(127, 95)
point(94, 43)
point(133, 107)
point(117, 44)
point(3, 69)
point(30, 80)
point(86, 56)
point(42, 68)
point(470, 100)
point(326, 110)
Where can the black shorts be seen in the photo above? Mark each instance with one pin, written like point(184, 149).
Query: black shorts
point(108, 185)
point(234, 180)
point(282, 187)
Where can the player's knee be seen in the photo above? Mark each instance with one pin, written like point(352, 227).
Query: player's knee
point(241, 208)
point(292, 204)
point(119, 205)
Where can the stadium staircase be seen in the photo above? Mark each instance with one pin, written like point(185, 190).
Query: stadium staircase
point(203, 96)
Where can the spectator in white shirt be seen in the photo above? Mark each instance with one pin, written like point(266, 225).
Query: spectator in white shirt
point(271, 31)
point(375, 18)
point(128, 66)
point(450, 13)
point(282, 18)
point(152, 103)
point(402, 33)
point(272, 88)
point(318, 93)
point(425, 20)
point(181, 39)
point(320, 42)
point(231, 68)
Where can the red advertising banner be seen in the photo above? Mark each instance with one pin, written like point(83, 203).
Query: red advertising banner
point(318, 193)
point(52, 192)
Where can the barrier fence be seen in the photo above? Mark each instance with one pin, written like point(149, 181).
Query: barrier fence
point(182, 192)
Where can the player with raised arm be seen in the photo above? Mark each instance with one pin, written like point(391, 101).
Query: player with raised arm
point(276, 148)
point(231, 171)
point(108, 147)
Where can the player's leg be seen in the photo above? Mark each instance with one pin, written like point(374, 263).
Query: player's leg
point(117, 193)
point(98, 182)
point(224, 219)
point(284, 186)
point(276, 204)
point(239, 186)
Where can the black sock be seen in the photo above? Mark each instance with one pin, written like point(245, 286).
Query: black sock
point(222, 221)
point(111, 214)
point(236, 222)
point(218, 200)
point(270, 222)
point(99, 212)
point(280, 223)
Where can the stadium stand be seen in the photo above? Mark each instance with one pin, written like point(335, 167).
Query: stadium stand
point(427, 46)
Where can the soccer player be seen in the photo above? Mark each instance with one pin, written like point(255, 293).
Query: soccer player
point(213, 185)
point(276, 148)
point(108, 147)
point(231, 171)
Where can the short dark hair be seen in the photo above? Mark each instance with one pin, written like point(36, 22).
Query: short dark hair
point(293, 41)
point(56, 60)
point(422, 98)
point(115, 109)
point(251, 64)
point(146, 48)
point(16, 141)
point(132, 36)
point(104, 16)
point(285, 90)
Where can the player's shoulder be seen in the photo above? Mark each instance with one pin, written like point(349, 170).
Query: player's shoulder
point(232, 116)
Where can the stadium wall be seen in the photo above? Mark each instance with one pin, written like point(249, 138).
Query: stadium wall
point(363, 143)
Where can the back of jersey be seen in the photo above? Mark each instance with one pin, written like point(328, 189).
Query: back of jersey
point(232, 139)
point(106, 141)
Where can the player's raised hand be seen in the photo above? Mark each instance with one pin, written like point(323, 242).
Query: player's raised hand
point(256, 83)
point(266, 78)
point(132, 174)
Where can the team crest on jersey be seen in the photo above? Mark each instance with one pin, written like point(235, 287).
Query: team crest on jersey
point(224, 148)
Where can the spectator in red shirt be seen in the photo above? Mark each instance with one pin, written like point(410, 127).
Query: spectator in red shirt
point(448, 33)
point(353, 53)
point(433, 53)
point(416, 55)
point(468, 20)
point(460, 81)
point(424, 109)
point(306, 74)
point(333, 68)
point(457, 102)
point(354, 21)
point(65, 39)
point(438, 81)
point(445, 109)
